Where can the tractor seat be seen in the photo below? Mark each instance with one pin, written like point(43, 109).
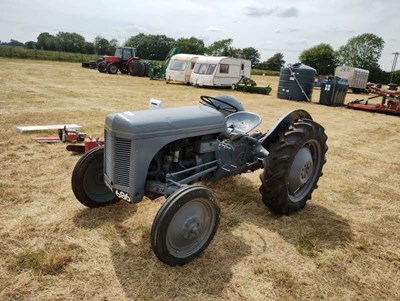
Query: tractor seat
point(242, 122)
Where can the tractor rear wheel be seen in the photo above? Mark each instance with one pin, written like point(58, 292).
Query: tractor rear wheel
point(112, 68)
point(146, 69)
point(136, 68)
point(88, 181)
point(185, 225)
point(293, 167)
point(101, 67)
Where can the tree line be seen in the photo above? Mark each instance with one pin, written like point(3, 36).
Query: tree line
point(148, 46)
point(362, 51)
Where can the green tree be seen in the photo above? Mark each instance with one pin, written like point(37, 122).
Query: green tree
point(47, 41)
point(88, 48)
point(15, 43)
point(321, 57)
point(362, 51)
point(251, 54)
point(30, 45)
point(101, 45)
point(152, 47)
point(274, 63)
point(222, 48)
point(396, 77)
point(71, 41)
point(191, 45)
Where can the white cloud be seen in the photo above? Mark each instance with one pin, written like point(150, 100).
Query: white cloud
point(215, 29)
point(277, 30)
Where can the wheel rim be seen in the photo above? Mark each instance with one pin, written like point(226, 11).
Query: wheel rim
point(113, 69)
point(94, 185)
point(190, 228)
point(304, 170)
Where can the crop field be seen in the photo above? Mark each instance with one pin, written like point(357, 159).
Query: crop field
point(345, 245)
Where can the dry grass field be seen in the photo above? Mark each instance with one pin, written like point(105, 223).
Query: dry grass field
point(345, 245)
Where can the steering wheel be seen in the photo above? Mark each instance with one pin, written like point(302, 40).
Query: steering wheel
point(208, 100)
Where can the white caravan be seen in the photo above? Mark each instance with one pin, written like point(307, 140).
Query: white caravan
point(180, 67)
point(219, 71)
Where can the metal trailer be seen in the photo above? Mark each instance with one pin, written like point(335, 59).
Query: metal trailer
point(356, 77)
point(219, 71)
point(180, 67)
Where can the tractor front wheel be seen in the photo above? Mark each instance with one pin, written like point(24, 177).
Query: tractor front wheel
point(293, 167)
point(88, 181)
point(185, 225)
point(112, 68)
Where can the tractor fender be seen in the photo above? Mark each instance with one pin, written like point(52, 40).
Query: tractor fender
point(281, 125)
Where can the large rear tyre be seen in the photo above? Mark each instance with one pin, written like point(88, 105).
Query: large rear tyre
point(185, 225)
point(146, 71)
point(136, 68)
point(102, 67)
point(293, 167)
point(88, 181)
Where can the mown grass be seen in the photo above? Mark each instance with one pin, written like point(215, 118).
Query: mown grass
point(345, 244)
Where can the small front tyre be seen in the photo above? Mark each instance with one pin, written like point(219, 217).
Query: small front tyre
point(185, 225)
point(88, 181)
point(112, 69)
point(293, 167)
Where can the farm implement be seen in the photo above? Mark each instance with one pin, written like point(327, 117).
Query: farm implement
point(166, 151)
point(389, 104)
point(246, 84)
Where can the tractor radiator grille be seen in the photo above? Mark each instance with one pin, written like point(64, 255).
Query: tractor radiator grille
point(122, 156)
point(107, 156)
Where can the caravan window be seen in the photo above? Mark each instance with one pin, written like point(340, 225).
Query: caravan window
point(204, 68)
point(224, 68)
point(177, 65)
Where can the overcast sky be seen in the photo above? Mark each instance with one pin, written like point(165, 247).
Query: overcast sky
point(269, 26)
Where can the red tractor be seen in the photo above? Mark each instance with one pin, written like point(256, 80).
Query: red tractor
point(125, 61)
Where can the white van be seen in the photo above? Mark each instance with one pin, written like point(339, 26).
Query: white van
point(180, 67)
point(219, 71)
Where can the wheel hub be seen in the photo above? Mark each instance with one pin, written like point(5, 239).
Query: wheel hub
point(191, 228)
point(301, 170)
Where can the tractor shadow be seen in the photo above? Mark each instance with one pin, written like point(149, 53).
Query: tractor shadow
point(142, 275)
point(311, 230)
point(93, 218)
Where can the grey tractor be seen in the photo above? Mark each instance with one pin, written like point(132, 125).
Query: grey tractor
point(164, 152)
